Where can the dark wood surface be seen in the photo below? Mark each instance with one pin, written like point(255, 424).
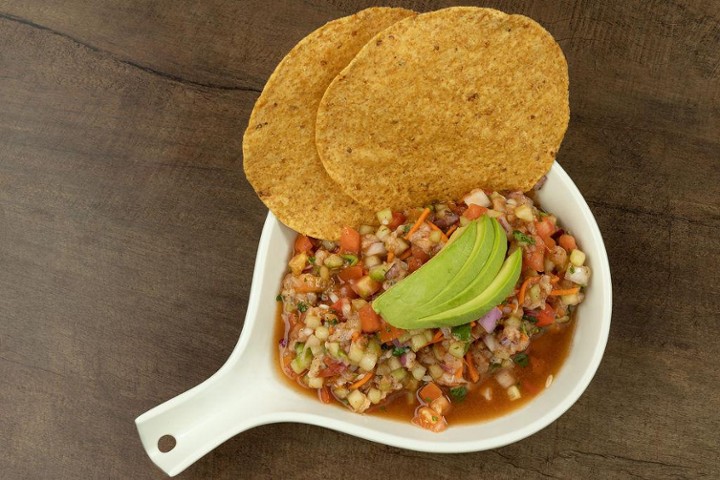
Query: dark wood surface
point(128, 234)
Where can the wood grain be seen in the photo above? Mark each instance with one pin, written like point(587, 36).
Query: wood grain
point(128, 234)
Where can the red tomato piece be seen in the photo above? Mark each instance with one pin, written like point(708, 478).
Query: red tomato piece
point(397, 220)
point(419, 253)
point(474, 211)
point(567, 242)
point(351, 273)
point(346, 291)
point(350, 240)
point(413, 264)
point(534, 256)
point(545, 317)
point(370, 321)
point(303, 244)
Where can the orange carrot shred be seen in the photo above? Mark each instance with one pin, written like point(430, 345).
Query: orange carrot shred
point(451, 230)
point(390, 256)
point(405, 254)
point(523, 288)
point(472, 371)
point(437, 338)
point(355, 335)
point(425, 213)
point(362, 381)
point(567, 291)
point(554, 280)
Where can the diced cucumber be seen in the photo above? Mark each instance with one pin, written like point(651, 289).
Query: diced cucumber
point(436, 371)
point(375, 395)
point(368, 361)
point(399, 374)
point(334, 261)
point(457, 349)
point(418, 341)
point(419, 372)
point(384, 216)
point(378, 272)
point(356, 352)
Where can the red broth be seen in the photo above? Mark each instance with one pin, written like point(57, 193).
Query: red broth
point(547, 352)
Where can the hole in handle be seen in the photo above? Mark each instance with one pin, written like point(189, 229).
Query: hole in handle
point(166, 443)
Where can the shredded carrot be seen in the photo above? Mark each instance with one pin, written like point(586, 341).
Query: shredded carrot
point(472, 371)
point(523, 288)
point(325, 394)
point(437, 338)
point(425, 213)
point(554, 280)
point(331, 330)
point(459, 371)
point(473, 323)
point(355, 335)
point(405, 254)
point(436, 228)
point(391, 256)
point(362, 381)
point(451, 230)
point(567, 291)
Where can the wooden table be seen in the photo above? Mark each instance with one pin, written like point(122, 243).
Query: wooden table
point(128, 234)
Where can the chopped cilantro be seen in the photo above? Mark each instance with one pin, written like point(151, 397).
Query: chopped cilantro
point(530, 318)
point(302, 307)
point(494, 367)
point(462, 332)
point(406, 228)
point(332, 322)
point(458, 393)
point(542, 214)
point(571, 269)
point(521, 359)
point(522, 238)
point(435, 419)
point(311, 260)
point(278, 298)
point(399, 351)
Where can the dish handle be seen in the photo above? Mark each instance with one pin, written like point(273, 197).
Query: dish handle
point(198, 420)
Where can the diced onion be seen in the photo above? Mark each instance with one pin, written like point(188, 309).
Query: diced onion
point(514, 393)
point(579, 275)
point(505, 378)
point(549, 381)
point(490, 342)
point(315, 382)
point(524, 212)
point(477, 197)
point(490, 319)
point(377, 248)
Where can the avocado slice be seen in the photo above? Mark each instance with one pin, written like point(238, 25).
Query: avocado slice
point(402, 300)
point(485, 271)
point(492, 296)
point(473, 266)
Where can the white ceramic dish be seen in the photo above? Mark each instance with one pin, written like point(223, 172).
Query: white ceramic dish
point(248, 390)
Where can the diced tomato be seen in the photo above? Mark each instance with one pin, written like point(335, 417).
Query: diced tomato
point(474, 211)
point(332, 368)
point(567, 242)
point(303, 244)
point(350, 240)
point(388, 333)
point(338, 307)
point(370, 321)
point(397, 220)
point(419, 253)
point(351, 273)
point(429, 392)
point(545, 317)
point(413, 264)
point(346, 291)
point(545, 227)
point(534, 256)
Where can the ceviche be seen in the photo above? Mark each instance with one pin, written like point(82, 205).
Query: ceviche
point(335, 342)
